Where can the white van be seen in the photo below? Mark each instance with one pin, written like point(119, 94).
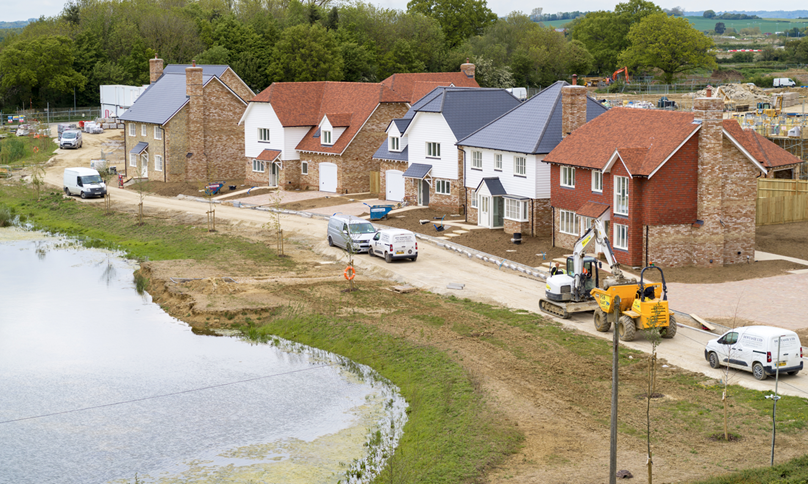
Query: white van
point(85, 182)
point(754, 348)
point(344, 228)
point(784, 82)
point(394, 244)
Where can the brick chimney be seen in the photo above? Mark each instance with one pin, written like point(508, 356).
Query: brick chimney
point(155, 69)
point(196, 168)
point(468, 69)
point(708, 236)
point(573, 109)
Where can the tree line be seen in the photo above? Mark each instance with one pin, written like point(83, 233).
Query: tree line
point(65, 58)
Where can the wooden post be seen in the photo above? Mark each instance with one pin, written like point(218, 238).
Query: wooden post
point(613, 429)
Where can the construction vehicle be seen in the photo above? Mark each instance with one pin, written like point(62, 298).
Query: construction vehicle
point(595, 81)
point(635, 307)
point(624, 70)
point(665, 103)
point(570, 292)
point(766, 109)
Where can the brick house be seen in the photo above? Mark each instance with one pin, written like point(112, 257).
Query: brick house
point(506, 184)
point(184, 125)
point(675, 188)
point(420, 162)
point(322, 135)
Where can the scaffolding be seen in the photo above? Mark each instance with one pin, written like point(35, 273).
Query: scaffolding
point(788, 131)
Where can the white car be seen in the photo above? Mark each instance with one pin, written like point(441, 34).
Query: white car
point(755, 349)
point(394, 244)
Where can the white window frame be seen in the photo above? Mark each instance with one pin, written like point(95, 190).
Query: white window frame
point(520, 166)
point(476, 160)
point(263, 135)
point(158, 132)
point(258, 166)
point(620, 236)
point(567, 177)
point(597, 181)
point(432, 149)
point(325, 137)
point(621, 195)
point(132, 129)
point(443, 187)
point(568, 222)
point(516, 210)
point(158, 163)
point(473, 198)
point(304, 167)
point(498, 162)
point(133, 160)
point(395, 143)
point(143, 130)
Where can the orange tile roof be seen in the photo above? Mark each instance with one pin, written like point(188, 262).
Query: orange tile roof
point(404, 84)
point(592, 209)
point(643, 138)
point(268, 155)
point(764, 151)
point(347, 104)
point(422, 88)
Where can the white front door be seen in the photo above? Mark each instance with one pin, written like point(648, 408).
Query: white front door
point(394, 185)
point(484, 211)
point(144, 165)
point(274, 174)
point(328, 177)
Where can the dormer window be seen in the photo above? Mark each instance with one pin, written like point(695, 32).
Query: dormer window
point(394, 143)
point(325, 137)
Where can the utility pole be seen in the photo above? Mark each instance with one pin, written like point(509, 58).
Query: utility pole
point(775, 397)
point(613, 429)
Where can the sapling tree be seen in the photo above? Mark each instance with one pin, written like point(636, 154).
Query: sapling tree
point(274, 225)
point(654, 334)
point(141, 184)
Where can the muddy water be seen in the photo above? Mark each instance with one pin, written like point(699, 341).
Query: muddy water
point(98, 384)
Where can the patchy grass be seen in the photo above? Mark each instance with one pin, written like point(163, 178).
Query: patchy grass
point(794, 471)
point(26, 150)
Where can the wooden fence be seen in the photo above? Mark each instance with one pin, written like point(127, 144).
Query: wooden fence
point(781, 201)
point(375, 182)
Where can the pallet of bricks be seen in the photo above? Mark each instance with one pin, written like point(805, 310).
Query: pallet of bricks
point(110, 123)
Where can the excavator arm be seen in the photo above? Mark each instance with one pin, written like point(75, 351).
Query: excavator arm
point(595, 233)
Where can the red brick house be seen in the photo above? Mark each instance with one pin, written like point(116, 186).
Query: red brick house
point(676, 188)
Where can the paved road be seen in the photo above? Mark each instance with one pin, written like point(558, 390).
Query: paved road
point(437, 267)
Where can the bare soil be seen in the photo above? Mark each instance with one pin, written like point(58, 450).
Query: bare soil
point(194, 189)
point(786, 239)
point(330, 201)
point(558, 401)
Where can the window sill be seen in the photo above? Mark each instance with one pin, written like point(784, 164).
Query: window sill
point(432, 157)
point(567, 187)
point(265, 142)
point(567, 233)
point(621, 249)
point(498, 169)
point(520, 176)
point(476, 169)
point(600, 192)
point(515, 220)
point(624, 215)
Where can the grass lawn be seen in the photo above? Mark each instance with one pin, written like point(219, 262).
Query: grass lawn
point(19, 151)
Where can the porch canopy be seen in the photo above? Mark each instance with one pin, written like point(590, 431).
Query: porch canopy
point(492, 187)
point(417, 170)
point(593, 209)
point(270, 156)
point(139, 148)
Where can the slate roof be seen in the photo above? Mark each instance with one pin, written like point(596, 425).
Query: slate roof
point(405, 84)
point(495, 187)
point(532, 127)
point(139, 148)
point(763, 150)
point(207, 70)
point(347, 104)
point(161, 100)
point(643, 138)
point(268, 155)
point(417, 170)
point(384, 154)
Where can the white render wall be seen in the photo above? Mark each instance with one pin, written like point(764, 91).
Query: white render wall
point(432, 127)
point(536, 183)
point(262, 115)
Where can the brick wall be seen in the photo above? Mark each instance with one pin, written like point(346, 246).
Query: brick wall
point(224, 138)
point(708, 247)
point(738, 205)
point(542, 218)
point(670, 245)
point(573, 108)
point(256, 178)
point(511, 227)
point(156, 147)
point(155, 69)
point(176, 138)
point(237, 85)
point(671, 194)
point(196, 166)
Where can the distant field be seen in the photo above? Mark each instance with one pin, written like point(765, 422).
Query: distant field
point(701, 23)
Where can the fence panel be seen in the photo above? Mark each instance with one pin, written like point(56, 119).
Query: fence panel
point(375, 182)
point(782, 209)
point(768, 187)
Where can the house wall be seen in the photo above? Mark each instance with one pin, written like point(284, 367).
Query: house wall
point(708, 246)
point(670, 245)
point(262, 115)
point(176, 139)
point(156, 147)
point(671, 193)
point(738, 205)
point(472, 212)
point(237, 85)
point(224, 138)
point(535, 184)
point(432, 127)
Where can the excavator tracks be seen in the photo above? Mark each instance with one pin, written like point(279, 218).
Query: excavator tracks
point(550, 308)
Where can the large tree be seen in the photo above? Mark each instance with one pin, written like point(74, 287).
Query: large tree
point(669, 44)
point(41, 67)
point(306, 53)
point(459, 19)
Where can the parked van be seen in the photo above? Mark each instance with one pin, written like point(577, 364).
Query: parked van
point(344, 228)
point(784, 82)
point(754, 348)
point(70, 139)
point(394, 244)
point(85, 182)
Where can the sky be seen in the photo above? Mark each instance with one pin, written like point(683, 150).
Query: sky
point(13, 10)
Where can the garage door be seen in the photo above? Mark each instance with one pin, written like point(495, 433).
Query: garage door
point(328, 177)
point(394, 184)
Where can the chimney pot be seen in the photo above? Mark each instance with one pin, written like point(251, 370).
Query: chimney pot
point(575, 79)
point(468, 69)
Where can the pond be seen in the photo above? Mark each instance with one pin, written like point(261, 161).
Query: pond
point(99, 385)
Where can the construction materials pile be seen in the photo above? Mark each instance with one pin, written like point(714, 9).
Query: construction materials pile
point(109, 123)
point(789, 99)
point(747, 93)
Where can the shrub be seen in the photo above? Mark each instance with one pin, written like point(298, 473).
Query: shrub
point(13, 149)
point(6, 216)
point(761, 81)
